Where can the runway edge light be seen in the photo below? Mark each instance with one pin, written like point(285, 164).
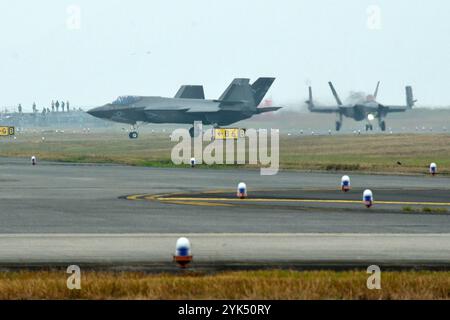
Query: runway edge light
point(33, 161)
point(242, 190)
point(183, 254)
point(433, 169)
point(193, 162)
point(345, 183)
point(368, 198)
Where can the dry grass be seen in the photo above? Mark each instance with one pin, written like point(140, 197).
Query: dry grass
point(373, 153)
point(384, 153)
point(230, 285)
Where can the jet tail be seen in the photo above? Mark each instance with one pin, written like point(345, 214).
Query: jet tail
point(409, 97)
point(310, 102)
point(338, 100)
point(260, 88)
point(191, 92)
point(238, 91)
point(375, 94)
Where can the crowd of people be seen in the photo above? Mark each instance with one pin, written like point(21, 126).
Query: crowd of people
point(57, 114)
point(56, 106)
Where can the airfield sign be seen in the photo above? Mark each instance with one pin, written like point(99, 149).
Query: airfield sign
point(228, 133)
point(7, 131)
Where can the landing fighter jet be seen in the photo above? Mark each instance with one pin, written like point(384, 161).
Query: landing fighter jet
point(364, 109)
point(240, 101)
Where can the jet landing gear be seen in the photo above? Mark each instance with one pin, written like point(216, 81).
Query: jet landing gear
point(369, 127)
point(383, 126)
point(133, 133)
point(197, 130)
point(192, 132)
point(339, 118)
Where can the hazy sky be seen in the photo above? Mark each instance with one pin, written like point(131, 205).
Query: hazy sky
point(119, 47)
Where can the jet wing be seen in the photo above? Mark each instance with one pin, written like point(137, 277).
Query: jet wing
point(395, 108)
point(230, 102)
point(326, 109)
point(182, 105)
point(203, 108)
point(267, 109)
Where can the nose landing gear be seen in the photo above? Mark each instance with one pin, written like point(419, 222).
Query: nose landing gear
point(133, 135)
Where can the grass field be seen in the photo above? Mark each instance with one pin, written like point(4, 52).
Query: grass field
point(406, 153)
point(230, 285)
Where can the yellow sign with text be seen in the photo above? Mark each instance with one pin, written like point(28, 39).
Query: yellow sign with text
point(228, 133)
point(7, 131)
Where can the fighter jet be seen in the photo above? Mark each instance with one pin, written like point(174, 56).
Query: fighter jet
point(362, 109)
point(239, 101)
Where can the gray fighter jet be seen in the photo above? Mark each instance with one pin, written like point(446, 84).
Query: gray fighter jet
point(361, 109)
point(240, 101)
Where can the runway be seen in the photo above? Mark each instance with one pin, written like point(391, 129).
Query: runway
point(81, 202)
point(65, 198)
point(225, 251)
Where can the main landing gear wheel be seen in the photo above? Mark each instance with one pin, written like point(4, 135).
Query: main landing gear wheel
point(133, 135)
point(383, 126)
point(369, 127)
point(338, 125)
point(193, 134)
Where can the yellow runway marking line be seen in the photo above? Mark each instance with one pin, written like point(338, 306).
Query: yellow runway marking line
point(153, 197)
point(210, 201)
point(199, 203)
point(136, 197)
point(163, 198)
point(299, 200)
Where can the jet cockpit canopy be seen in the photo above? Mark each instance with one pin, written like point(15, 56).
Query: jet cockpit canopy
point(126, 100)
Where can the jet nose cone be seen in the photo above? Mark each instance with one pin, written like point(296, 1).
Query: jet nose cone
point(96, 112)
